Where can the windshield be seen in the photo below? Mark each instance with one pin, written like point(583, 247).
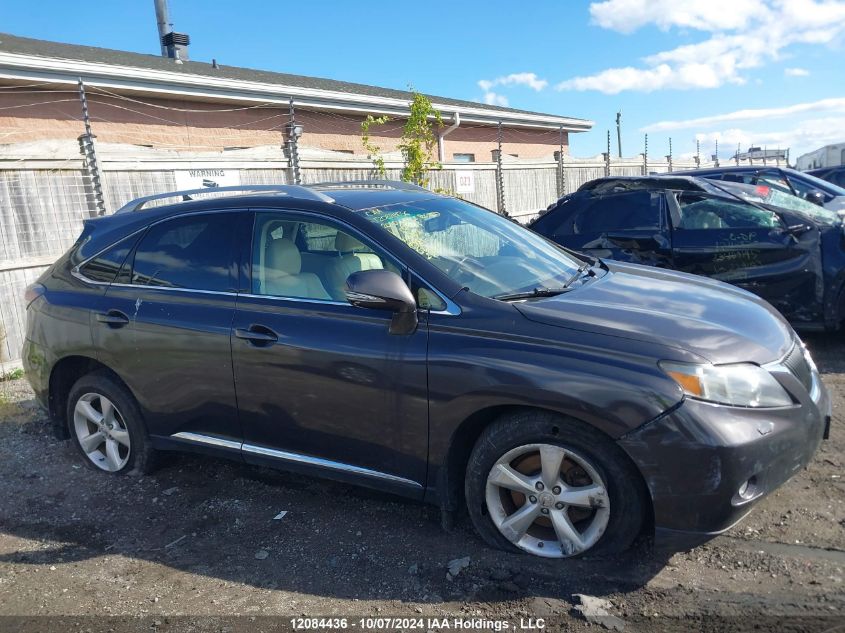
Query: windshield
point(479, 249)
point(775, 197)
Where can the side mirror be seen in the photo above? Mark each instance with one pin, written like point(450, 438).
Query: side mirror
point(384, 290)
point(815, 196)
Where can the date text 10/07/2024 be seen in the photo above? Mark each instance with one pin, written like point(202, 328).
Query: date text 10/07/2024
point(418, 623)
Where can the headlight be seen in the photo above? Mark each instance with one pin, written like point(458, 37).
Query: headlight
point(740, 385)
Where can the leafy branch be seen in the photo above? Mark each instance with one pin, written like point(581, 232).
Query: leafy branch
point(417, 143)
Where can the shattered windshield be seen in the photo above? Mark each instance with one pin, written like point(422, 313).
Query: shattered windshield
point(477, 248)
point(764, 194)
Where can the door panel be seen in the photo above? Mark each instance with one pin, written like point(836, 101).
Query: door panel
point(165, 325)
point(746, 246)
point(327, 382)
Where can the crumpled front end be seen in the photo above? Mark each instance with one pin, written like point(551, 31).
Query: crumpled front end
point(706, 464)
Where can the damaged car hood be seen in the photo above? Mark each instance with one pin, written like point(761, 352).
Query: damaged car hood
point(719, 322)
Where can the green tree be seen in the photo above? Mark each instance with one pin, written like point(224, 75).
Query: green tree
point(417, 144)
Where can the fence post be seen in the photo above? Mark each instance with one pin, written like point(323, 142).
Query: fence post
point(500, 177)
point(561, 175)
point(87, 145)
point(669, 155)
point(293, 131)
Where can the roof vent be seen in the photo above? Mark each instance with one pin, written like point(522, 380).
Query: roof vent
point(176, 45)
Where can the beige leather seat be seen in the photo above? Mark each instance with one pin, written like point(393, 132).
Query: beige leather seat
point(354, 257)
point(283, 276)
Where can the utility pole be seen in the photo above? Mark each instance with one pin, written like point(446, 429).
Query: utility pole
point(619, 134)
point(89, 151)
point(293, 131)
point(716, 155)
point(607, 156)
point(697, 153)
point(500, 176)
point(736, 157)
point(645, 156)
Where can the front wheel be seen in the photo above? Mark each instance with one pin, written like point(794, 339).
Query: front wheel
point(552, 487)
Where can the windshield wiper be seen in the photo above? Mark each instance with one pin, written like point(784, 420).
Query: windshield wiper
point(542, 291)
point(531, 294)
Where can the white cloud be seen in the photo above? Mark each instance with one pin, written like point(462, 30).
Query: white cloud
point(627, 16)
point(836, 104)
point(796, 72)
point(491, 98)
point(515, 79)
point(530, 80)
point(743, 34)
point(801, 138)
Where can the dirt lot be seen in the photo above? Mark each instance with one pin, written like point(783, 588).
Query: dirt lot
point(197, 542)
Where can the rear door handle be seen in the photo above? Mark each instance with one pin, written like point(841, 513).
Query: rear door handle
point(257, 335)
point(113, 318)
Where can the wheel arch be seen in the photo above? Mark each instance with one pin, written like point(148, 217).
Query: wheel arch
point(64, 374)
point(451, 472)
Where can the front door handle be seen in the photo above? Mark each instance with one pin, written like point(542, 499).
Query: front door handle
point(257, 335)
point(113, 318)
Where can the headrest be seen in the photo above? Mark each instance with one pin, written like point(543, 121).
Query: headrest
point(283, 256)
point(345, 243)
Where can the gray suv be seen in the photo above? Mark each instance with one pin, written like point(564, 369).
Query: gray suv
point(383, 335)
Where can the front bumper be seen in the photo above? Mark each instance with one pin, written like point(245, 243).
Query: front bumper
point(696, 457)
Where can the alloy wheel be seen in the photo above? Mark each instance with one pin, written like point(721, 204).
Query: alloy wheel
point(101, 431)
point(547, 500)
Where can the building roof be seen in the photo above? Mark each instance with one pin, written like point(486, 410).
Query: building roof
point(29, 59)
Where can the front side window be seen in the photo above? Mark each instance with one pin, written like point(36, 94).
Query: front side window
point(699, 211)
point(635, 211)
point(308, 260)
point(193, 252)
point(477, 248)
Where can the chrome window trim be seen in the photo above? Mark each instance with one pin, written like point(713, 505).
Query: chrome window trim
point(452, 309)
point(249, 295)
point(297, 458)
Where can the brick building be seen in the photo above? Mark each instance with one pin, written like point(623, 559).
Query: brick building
point(152, 101)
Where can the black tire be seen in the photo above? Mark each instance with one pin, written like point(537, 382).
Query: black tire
point(626, 491)
point(141, 456)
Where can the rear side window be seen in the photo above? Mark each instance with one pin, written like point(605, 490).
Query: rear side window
point(194, 252)
point(104, 267)
point(634, 211)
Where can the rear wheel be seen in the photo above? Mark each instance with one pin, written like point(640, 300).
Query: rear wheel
point(105, 425)
point(552, 487)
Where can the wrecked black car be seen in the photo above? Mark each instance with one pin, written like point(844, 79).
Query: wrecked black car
point(778, 246)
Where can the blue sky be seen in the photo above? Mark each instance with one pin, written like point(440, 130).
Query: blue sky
point(681, 68)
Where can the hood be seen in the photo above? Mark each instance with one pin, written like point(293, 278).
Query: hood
point(719, 322)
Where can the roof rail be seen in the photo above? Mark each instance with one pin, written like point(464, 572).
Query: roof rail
point(295, 191)
point(387, 184)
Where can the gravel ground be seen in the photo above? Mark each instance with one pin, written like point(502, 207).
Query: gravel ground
point(196, 544)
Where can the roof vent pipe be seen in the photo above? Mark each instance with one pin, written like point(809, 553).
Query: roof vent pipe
point(173, 45)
